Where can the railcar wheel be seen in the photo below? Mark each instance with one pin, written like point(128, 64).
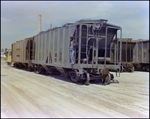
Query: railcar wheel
point(29, 68)
point(34, 69)
point(73, 77)
point(112, 76)
point(147, 68)
point(17, 66)
point(144, 68)
point(83, 78)
point(121, 69)
point(87, 79)
point(132, 69)
point(50, 71)
point(37, 70)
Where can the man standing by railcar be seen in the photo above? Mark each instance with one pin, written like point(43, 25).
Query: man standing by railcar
point(72, 49)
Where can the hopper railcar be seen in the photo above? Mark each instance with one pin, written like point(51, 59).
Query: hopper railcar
point(48, 51)
point(93, 39)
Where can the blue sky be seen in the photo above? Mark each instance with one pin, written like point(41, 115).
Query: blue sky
point(19, 19)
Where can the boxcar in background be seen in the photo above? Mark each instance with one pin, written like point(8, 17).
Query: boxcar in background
point(135, 54)
point(141, 55)
point(127, 53)
point(22, 53)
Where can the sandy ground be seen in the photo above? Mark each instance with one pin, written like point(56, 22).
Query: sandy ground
point(26, 94)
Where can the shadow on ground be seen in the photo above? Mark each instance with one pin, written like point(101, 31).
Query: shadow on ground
point(66, 79)
point(92, 82)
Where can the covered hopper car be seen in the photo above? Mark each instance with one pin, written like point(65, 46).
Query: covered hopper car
point(48, 51)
